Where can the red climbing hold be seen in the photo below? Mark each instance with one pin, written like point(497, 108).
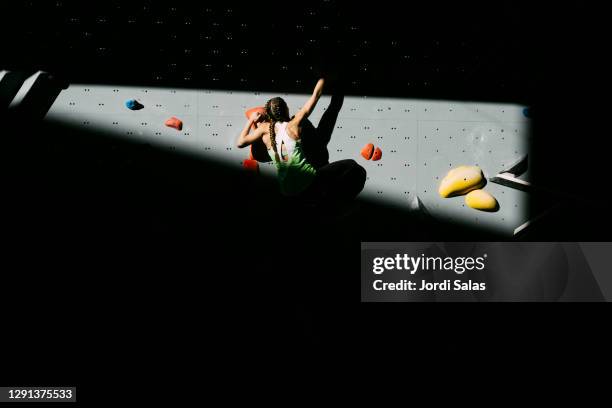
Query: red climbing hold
point(175, 123)
point(367, 151)
point(251, 165)
point(377, 154)
point(259, 109)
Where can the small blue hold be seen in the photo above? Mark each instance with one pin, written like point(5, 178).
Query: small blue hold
point(527, 112)
point(133, 104)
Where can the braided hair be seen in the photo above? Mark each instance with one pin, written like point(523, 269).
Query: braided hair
point(277, 111)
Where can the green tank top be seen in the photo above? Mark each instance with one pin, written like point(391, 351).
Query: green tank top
point(294, 174)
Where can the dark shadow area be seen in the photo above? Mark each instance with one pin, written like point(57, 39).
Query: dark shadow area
point(466, 52)
point(144, 242)
point(130, 223)
point(137, 245)
point(10, 83)
point(40, 96)
point(316, 140)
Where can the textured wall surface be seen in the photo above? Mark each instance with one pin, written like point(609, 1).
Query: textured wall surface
point(421, 140)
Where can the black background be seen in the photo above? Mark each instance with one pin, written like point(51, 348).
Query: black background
point(109, 277)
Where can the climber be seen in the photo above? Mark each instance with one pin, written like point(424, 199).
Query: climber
point(331, 185)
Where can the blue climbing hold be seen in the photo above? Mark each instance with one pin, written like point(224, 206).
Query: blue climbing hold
point(527, 112)
point(133, 104)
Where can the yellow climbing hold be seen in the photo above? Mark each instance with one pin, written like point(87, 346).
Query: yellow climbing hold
point(461, 180)
point(481, 200)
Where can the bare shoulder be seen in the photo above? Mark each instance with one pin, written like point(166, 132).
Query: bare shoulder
point(264, 128)
point(293, 130)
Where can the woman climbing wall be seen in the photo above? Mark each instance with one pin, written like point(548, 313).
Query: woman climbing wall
point(330, 186)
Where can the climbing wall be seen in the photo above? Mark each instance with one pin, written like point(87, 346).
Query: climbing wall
point(421, 140)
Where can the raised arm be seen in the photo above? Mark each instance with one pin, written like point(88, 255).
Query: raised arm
point(246, 136)
point(310, 104)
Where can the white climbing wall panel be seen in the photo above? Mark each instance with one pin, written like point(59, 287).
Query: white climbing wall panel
point(421, 140)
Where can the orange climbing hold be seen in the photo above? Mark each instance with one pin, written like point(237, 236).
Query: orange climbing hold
point(251, 165)
point(259, 109)
point(175, 123)
point(367, 151)
point(377, 154)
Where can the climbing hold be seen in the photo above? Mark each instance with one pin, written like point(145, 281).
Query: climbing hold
point(481, 200)
point(461, 180)
point(251, 165)
point(377, 154)
point(367, 151)
point(133, 104)
point(259, 109)
point(527, 112)
point(175, 123)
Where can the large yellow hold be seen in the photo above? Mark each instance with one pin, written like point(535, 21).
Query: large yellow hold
point(461, 180)
point(481, 200)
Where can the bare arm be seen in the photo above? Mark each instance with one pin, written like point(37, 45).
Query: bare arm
point(309, 105)
point(246, 137)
